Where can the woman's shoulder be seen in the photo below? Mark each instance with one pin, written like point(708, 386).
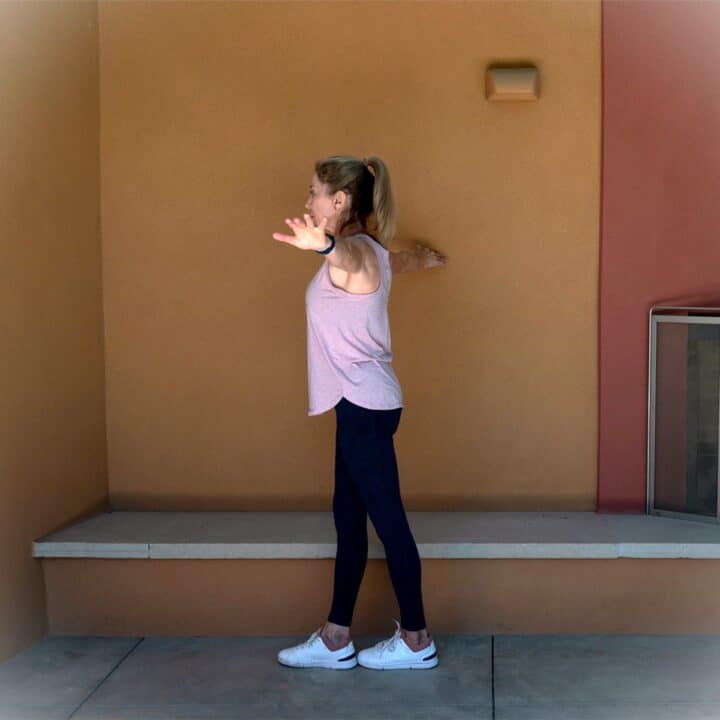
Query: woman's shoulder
point(369, 241)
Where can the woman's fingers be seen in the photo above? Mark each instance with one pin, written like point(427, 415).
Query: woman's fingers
point(432, 256)
point(284, 238)
point(305, 233)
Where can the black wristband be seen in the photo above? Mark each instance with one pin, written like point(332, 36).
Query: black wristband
point(332, 245)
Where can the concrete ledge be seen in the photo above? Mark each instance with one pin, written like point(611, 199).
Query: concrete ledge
point(458, 535)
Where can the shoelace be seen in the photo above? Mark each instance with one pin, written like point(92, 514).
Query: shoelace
point(390, 643)
point(310, 640)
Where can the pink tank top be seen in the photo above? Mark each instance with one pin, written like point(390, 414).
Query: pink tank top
point(348, 342)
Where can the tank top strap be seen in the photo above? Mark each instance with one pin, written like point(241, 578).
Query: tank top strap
point(382, 256)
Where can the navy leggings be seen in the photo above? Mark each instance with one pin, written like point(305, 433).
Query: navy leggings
point(366, 483)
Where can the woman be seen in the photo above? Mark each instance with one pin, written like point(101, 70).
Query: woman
point(350, 371)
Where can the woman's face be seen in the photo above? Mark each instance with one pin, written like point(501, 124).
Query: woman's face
point(319, 204)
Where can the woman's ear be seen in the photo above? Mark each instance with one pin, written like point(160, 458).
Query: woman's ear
point(341, 199)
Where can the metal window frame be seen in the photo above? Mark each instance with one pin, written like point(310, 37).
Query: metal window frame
point(656, 317)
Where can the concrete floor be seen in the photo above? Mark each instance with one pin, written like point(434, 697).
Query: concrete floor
point(508, 677)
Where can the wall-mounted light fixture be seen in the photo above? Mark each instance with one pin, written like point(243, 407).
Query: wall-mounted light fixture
point(512, 84)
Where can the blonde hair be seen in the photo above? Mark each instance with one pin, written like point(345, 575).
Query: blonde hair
point(368, 184)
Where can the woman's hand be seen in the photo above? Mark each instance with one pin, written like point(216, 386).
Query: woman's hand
point(307, 236)
point(428, 258)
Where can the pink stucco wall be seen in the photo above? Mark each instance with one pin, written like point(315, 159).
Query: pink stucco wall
point(660, 217)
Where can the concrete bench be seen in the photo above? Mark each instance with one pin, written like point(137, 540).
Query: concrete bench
point(455, 535)
point(225, 573)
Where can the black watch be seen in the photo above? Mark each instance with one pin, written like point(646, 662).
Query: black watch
point(332, 244)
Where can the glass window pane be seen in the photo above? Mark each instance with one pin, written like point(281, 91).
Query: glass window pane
point(686, 417)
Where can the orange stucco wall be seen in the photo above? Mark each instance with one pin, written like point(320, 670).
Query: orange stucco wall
point(212, 117)
point(281, 597)
point(52, 445)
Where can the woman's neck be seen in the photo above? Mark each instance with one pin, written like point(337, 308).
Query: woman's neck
point(352, 229)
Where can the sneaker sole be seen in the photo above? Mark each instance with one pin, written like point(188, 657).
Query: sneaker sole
point(404, 666)
point(320, 664)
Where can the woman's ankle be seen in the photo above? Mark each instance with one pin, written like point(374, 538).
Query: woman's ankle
point(417, 640)
point(335, 638)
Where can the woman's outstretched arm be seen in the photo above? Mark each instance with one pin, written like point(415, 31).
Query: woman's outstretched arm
point(418, 259)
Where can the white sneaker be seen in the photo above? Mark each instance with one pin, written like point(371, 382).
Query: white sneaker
point(394, 654)
point(314, 653)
